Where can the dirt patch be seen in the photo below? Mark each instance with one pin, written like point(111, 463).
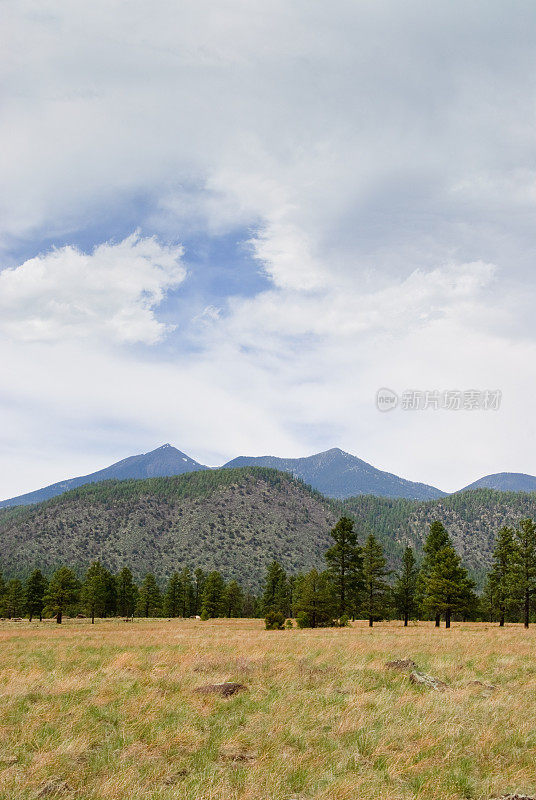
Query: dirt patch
point(490, 688)
point(52, 787)
point(401, 665)
point(238, 755)
point(226, 689)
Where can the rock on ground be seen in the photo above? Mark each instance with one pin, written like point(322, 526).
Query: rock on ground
point(420, 679)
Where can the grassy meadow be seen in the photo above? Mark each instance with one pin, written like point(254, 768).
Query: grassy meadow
point(109, 711)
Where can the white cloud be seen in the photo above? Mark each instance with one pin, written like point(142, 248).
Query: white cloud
point(109, 294)
point(382, 157)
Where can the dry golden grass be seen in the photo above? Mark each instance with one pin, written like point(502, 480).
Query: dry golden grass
point(108, 711)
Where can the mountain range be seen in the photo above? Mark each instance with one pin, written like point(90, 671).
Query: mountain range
point(334, 473)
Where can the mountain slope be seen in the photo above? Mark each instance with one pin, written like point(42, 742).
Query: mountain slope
point(472, 519)
point(236, 521)
point(339, 474)
point(165, 460)
point(505, 482)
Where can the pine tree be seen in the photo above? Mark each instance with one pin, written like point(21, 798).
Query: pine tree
point(498, 590)
point(110, 594)
point(437, 539)
point(405, 588)
point(35, 589)
point(233, 599)
point(187, 593)
point(173, 600)
point(316, 604)
point(275, 596)
point(2, 595)
point(14, 598)
point(200, 578)
point(62, 592)
point(524, 565)
point(149, 597)
point(376, 588)
point(345, 566)
point(448, 589)
point(126, 592)
point(212, 603)
point(94, 591)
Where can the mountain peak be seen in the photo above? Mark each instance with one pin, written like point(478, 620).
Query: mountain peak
point(165, 461)
point(336, 473)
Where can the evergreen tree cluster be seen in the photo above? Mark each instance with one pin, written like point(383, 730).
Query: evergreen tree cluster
point(101, 594)
point(511, 583)
point(355, 584)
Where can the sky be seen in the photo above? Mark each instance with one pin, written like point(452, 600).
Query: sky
point(226, 225)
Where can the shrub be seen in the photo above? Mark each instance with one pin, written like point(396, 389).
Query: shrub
point(288, 624)
point(274, 621)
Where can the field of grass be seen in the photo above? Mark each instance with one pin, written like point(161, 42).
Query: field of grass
point(109, 711)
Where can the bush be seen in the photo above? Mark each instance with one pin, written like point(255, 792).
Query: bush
point(204, 615)
point(288, 624)
point(274, 621)
point(344, 621)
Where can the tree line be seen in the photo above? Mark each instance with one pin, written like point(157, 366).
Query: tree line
point(356, 583)
point(102, 594)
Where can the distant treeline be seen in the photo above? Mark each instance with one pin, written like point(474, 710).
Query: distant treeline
point(355, 584)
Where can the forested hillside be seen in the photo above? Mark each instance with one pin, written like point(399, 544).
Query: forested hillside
point(472, 519)
point(235, 521)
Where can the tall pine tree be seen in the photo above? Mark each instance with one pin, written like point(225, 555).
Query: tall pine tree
point(499, 586)
point(94, 591)
point(213, 600)
point(345, 566)
point(315, 604)
point(62, 592)
point(233, 599)
point(200, 577)
point(14, 598)
point(173, 598)
point(149, 597)
point(36, 586)
point(448, 588)
point(405, 588)
point(437, 539)
point(127, 592)
point(524, 566)
point(187, 593)
point(275, 596)
point(376, 589)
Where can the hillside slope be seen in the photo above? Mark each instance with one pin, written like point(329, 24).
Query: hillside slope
point(339, 474)
point(472, 518)
point(236, 521)
point(163, 461)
